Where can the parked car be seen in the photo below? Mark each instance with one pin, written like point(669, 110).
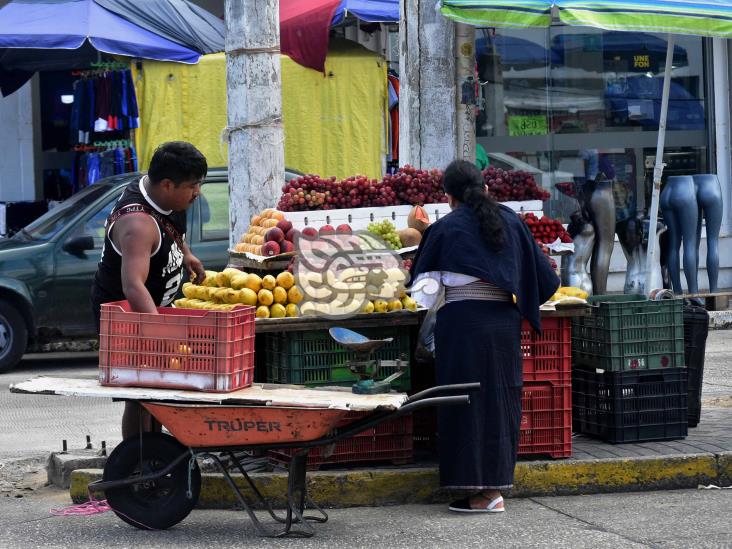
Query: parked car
point(47, 268)
point(544, 179)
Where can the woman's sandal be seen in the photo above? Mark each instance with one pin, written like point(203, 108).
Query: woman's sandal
point(463, 506)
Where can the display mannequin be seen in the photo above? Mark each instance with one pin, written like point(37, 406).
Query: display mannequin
point(709, 200)
point(574, 267)
point(602, 210)
point(633, 237)
point(679, 207)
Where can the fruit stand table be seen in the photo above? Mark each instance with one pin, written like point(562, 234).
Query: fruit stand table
point(371, 320)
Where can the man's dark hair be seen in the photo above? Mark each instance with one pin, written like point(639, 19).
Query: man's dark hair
point(178, 161)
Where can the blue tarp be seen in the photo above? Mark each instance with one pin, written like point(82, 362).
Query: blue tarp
point(58, 34)
point(371, 11)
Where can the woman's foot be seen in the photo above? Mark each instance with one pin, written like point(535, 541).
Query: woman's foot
point(487, 501)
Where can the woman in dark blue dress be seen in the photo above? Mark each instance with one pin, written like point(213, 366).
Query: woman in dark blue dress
point(492, 272)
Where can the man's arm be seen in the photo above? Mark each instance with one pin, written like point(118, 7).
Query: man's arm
point(136, 236)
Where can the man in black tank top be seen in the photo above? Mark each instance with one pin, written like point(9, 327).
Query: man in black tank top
point(144, 249)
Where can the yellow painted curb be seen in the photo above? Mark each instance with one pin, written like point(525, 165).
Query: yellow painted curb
point(614, 475)
point(724, 465)
point(420, 485)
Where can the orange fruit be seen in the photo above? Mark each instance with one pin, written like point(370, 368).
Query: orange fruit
point(262, 312)
point(280, 295)
point(247, 297)
point(277, 311)
point(269, 282)
point(294, 295)
point(265, 297)
point(253, 282)
point(286, 280)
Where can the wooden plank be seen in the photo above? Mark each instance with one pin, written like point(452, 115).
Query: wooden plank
point(718, 293)
point(300, 324)
point(339, 398)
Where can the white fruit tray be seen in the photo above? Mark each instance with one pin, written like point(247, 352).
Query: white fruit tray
point(359, 218)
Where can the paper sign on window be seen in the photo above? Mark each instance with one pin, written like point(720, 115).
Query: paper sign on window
point(527, 125)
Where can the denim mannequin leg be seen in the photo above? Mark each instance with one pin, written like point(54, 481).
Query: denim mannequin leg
point(678, 202)
point(709, 199)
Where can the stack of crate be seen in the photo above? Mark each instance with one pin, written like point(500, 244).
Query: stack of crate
point(546, 403)
point(629, 382)
point(313, 358)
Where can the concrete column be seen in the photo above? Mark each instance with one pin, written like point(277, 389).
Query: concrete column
point(254, 110)
point(17, 173)
point(427, 105)
point(466, 88)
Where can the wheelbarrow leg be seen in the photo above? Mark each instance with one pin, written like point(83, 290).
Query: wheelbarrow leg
point(297, 498)
point(257, 493)
point(258, 526)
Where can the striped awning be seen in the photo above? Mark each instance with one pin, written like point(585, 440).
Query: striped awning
point(699, 18)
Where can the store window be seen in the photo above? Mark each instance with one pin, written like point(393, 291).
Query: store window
point(580, 103)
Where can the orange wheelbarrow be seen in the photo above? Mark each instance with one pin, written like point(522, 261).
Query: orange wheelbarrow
point(153, 482)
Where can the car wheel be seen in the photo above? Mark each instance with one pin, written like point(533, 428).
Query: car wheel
point(13, 336)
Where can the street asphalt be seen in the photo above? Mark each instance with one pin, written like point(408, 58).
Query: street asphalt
point(669, 519)
point(32, 426)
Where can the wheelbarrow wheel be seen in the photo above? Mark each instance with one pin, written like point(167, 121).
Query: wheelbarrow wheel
point(156, 504)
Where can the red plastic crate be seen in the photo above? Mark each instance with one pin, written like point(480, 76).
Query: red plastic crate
point(177, 348)
point(390, 441)
point(546, 420)
point(547, 356)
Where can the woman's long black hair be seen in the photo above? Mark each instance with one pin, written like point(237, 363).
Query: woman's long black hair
point(464, 182)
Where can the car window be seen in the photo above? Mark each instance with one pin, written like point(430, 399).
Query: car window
point(94, 227)
point(214, 211)
point(55, 220)
point(500, 164)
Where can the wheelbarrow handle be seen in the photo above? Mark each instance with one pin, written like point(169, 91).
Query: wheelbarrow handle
point(454, 400)
point(443, 389)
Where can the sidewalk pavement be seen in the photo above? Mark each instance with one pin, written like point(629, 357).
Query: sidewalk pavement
point(703, 458)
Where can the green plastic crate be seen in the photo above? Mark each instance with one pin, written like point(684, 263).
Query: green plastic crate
point(313, 358)
point(629, 332)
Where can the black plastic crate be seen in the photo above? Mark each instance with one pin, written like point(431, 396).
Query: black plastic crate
point(696, 329)
point(635, 406)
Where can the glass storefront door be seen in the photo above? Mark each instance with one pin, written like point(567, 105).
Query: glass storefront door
point(575, 104)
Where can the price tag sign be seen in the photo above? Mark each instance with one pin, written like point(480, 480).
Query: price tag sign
point(527, 125)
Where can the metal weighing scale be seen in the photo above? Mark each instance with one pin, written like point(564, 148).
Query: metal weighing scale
point(364, 365)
